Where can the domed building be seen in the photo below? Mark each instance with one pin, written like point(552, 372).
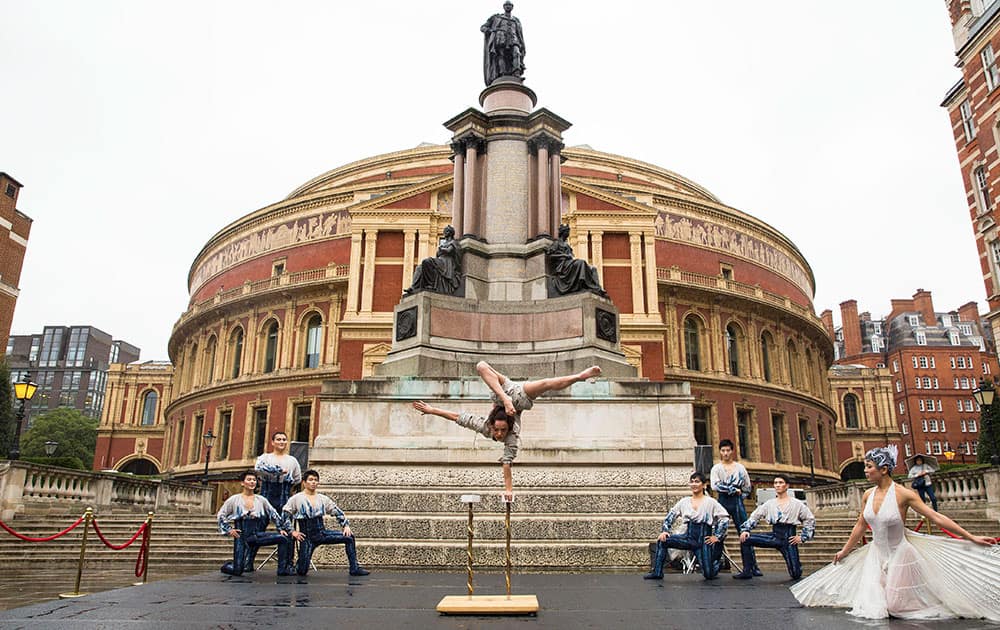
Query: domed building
point(302, 291)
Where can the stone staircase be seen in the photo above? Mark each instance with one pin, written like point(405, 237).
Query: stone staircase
point(558, 530)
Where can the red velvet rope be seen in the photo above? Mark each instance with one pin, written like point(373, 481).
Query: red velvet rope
point(142, 560)
point(131, 540)
point(46, 538)
point(995, 541)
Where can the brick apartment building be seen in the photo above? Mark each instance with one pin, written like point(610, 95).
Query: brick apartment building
point(69, 364)
point(973, 105)
point(934, 361)
point(14, 229)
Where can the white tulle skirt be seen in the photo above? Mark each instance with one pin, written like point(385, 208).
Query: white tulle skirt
point(925, 577)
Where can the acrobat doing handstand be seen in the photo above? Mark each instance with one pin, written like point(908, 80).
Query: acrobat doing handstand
point(503, 424)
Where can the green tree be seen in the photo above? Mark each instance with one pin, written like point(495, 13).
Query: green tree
point(75, 432)
point(7, 413)
point(989, 433)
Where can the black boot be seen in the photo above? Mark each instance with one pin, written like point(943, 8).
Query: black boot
point(352, 559)
point(657, 572)
point(749, 560)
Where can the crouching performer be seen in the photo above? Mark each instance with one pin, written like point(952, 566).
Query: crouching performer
point(784, 513)
point(307, 509)
point(244, 518)
point(707, 522)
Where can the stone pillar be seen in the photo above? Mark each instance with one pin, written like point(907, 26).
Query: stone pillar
point(457, 195)
point(597, 259)
point(332, 329)
point(368, 282)
point(470, 208)
point(541, 214)
point(409, 236)
point(555, 192)
point(635, 258)
point(354, 275)
point(651, 293)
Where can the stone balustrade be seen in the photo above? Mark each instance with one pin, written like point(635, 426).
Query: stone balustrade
point(39, 489)
point(976, 489)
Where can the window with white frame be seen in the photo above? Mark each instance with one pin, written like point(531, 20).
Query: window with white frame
point(965, 427)
point(940, 407)
point(975, 448)
point(921, 338)
point(904, 428)
point(923, 424)
point(969, 405)
point(947, 446)
point(927, 446)
point(943, 428)
point(922, 406)
point(966, 449)
point(923, 362)
point(965, 382)
point(935, 383)
point(916, 382)
point(955, 381)
point(959, 402)
point(953, 363)
point(982, 186)
point(876, 344)
point(916, 362)
point(990, 69)
point(895, 365)
point(986, 367)
point(965, 329)
point(972, 426)
point(953, 338)
point(909, 451)
point(902, 407)
point(927, 382)
point(877, 328)
point(946, 321)
point(937, 447)
point(933, 364)
point(914, 320)
point(933, 425)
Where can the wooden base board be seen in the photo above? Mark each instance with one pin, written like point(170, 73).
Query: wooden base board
point(488, 605)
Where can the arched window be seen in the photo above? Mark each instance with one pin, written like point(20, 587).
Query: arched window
point(692, 344)
point(149, 408)
point(851, 411)
point(236, 351)
point(733, 349)
point(271, 348)
point(765, 354)
point(209, 370)
point(793, 367)
point(314, 341)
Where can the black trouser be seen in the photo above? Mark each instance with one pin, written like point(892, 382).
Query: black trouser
point(777, 539)
point(252, 537)
point(692, 540)
point(317, 535)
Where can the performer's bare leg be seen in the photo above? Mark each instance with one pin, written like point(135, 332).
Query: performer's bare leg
point(532, 389)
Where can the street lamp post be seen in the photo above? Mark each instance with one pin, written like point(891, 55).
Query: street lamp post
point(209, 438)
point(985, 395)
point(810, 443)
point(50, 447)
point(24, 390)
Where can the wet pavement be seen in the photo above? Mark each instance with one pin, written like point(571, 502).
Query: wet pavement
point(407, 600)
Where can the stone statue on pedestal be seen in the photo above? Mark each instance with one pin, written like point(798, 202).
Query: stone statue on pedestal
point(568, 274)
point(503, 46)
point(443, 272)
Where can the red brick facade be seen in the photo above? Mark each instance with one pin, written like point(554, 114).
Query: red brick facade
point(15, 227)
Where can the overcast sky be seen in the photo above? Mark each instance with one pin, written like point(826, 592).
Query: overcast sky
point(139, 129)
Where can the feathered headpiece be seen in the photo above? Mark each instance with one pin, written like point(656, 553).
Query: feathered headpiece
point(883, 456)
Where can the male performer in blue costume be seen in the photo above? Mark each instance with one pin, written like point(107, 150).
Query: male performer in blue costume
point(707, 522)
point(278, 471)
point(732, 481)
point(244, 517)
point(784, 513)
point(307, 509)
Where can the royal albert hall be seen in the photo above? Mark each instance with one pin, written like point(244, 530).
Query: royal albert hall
point(302, 291)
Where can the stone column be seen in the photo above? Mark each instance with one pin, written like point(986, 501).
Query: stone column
point(368, 282)
point(635, 258)
point(409, 236)
point(597, 259)
point(555, 192)
point(332, 330)
point(457, 195)
point(541, 213)
point(354, 275)
point(470, 209)
point(652, 302)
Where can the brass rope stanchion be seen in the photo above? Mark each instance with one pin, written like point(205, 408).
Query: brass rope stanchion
point(488, 604)
point(87, 518)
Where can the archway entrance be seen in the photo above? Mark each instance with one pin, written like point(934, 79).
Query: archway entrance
point(140, 467)
point(854, 470)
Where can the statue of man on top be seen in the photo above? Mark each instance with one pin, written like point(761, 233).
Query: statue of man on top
point(503, 46)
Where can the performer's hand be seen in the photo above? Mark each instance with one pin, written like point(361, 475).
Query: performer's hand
point(508, 406)
point(235, 533)
point(841, 555)
point(283, 533)
point(744, 536)
point(711, 539)
point(508, 496)
point(421, 406)
point(299, 536)
point(347, 531)
point(795, 540)
point(662, 537)
point(986, 541)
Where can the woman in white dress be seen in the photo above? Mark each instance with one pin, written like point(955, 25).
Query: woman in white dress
point(902, 573)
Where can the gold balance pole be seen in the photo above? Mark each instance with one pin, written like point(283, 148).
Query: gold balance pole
point(149, 539)
point(488, 604)
point(88, 516)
